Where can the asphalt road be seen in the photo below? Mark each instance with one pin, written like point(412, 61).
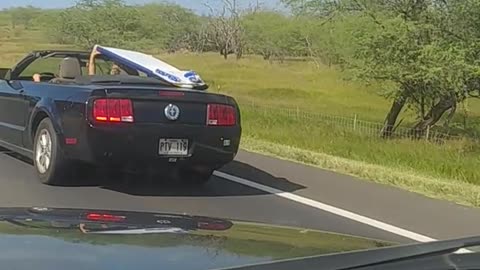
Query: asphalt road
point(261, 189)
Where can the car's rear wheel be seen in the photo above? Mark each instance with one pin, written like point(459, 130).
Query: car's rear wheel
point(48, 158)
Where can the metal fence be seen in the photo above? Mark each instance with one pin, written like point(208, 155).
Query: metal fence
point(352, 124)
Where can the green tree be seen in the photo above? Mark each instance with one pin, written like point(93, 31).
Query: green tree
point(168, 25)
point(108, 22)
point(23, 15)
point(412, 43)
point(272, 34)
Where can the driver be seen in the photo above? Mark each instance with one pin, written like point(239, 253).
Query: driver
point(37, 77)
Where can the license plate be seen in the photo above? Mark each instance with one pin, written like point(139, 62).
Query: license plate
point(173, 147)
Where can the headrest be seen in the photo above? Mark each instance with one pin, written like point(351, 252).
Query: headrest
point(70, 68)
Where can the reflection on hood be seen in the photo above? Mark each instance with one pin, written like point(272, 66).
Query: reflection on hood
point(46, 238)
point(104, 229)
point(111, 222)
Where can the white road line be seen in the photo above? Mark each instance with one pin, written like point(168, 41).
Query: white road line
point(328, 208)
point(334, 210)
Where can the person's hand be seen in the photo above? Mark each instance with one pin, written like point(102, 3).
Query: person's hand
point(37, 77)
point(95, 52)
point(81, 226)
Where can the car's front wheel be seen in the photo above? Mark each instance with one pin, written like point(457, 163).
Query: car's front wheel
point(48, 158)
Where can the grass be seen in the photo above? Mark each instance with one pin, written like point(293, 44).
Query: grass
point(448, 171)
point(460, 192)
point(293, 84)
point(442, 171)
point(456, 160)
point(445, 171)
point(303, 85)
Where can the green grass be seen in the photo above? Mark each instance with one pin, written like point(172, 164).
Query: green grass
point(293, 84)
point(445, 171)
point(456, 160)
point(405, 178)
point(303, 85)
point(450, 168)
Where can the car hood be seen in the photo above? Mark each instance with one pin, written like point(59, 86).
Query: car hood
point(52, 238)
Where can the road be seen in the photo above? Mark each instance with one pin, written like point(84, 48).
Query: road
point(262, 189)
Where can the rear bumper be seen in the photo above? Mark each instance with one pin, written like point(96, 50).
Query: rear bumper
point(136, 146)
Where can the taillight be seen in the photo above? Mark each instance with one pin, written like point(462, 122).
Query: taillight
point(221, 115)
point(113, 110)
point(104, 217)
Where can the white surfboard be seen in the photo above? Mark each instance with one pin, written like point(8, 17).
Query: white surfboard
point(152, 66)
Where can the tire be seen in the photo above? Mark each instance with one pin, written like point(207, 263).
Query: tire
point(48, 159)
point(192, 178)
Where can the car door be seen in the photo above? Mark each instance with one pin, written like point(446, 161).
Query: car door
point(13, 110)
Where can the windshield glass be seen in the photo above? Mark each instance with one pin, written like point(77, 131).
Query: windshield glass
point(306, 127)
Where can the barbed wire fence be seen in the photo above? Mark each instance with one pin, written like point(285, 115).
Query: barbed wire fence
point(352, 124)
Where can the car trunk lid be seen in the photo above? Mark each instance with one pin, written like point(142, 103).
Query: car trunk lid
point(168, 105)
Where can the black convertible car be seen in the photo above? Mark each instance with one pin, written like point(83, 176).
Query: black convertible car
point(115, 109)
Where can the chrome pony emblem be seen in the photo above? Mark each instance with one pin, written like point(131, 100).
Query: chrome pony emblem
point(172, 112)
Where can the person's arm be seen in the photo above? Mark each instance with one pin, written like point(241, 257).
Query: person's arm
point(91, 63)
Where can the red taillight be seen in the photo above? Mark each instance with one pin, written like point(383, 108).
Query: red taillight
point(100, 110)
point(104, 217)
point(221, 115)
point(113, 110)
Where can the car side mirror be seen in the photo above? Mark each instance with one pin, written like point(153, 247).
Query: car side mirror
point(5, 73)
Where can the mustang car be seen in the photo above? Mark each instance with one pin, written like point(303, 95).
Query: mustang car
point(117, 109)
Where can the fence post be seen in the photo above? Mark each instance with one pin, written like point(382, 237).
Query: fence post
point(298, 112)
point(427, 135)
point(355, 122)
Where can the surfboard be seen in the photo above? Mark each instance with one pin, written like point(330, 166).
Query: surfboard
point(152, 67)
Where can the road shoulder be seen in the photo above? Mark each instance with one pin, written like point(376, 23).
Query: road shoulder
point(382, 202)
point(445, 189)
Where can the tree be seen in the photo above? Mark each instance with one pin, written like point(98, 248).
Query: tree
point(267, 34)
point(108, 22)
point(22, 15)
point(412, 43)
point(225, 31)
point(169, 26)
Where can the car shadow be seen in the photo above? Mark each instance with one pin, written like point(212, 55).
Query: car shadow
point(142, 185)
point(16, 156)
point(216, 187)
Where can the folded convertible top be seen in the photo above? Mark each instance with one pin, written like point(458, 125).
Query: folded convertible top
point(153, 67)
